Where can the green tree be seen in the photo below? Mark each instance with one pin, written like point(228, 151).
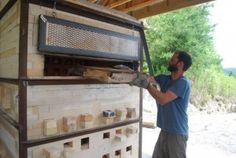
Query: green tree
point(187, 29)
point(190, 30)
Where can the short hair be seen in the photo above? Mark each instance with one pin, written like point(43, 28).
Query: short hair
point(185, 58)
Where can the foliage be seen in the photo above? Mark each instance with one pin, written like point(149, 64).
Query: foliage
point(190, 30)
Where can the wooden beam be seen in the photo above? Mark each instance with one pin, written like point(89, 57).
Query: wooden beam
point(105, 2)
point(97, 9)
point(118, 3)
point(92, 1)
point(141, 5)
point(164, 7)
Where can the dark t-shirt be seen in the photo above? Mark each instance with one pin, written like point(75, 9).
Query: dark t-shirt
point(172, 117)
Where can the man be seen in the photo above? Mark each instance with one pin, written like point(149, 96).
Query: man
point(172, 101)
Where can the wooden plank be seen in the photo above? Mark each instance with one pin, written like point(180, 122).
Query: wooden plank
point(109, 75)
point(9, 20)
point(8, 37)
point(9, 67)
point(149, 125)
point(141, 5)
point(125, 69)
point(97, 74)
point(164, 7)
point(9, 138)
point(103, 9)
point(8, 99)
point(9, 43)
point(11, 12)
point(3, 4)
point(8, 53)
point(93, 1)
point(118, 3)
point(4, 152)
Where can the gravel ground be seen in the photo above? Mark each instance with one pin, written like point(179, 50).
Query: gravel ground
point(210, 135)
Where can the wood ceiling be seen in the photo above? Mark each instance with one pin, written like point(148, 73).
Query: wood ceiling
point(145, 8)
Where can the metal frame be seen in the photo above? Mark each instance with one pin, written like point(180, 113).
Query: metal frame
point(141, 103)
point(32, 143)
point(23, 81)
point(23, 49)
point(9, 80)
point(43, 47)
point(147, 54)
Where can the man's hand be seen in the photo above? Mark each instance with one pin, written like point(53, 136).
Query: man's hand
point(153, 82)
point(141, 81)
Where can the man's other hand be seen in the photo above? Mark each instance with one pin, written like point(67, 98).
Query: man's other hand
point(153, 82)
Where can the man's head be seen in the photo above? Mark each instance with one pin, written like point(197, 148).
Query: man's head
point(180, 61)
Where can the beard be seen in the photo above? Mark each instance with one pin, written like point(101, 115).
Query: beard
point(172, 68)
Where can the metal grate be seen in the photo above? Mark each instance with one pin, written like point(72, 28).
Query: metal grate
point(61, 36)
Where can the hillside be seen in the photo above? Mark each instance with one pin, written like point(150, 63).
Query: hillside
point(229, 70)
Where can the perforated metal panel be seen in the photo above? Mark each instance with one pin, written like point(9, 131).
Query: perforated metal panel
point(61, 36)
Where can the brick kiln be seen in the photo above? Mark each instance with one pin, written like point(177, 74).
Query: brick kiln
point(64, 69)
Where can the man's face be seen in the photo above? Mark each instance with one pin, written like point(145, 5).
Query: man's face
point(172, 67)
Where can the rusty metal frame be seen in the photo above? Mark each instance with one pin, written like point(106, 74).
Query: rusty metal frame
point(23, 49)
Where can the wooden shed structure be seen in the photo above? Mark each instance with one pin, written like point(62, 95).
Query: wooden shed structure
point(144, 8)
point(64, 69)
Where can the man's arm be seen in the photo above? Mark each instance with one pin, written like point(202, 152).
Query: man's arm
point(149, 84)
point(161, 98)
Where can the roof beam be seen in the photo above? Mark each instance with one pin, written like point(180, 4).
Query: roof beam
point(92, 1)
point(141, 5)
point(167, 6)
point(118, 3)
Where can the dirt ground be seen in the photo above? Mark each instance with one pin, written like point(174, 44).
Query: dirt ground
point(210, 135)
